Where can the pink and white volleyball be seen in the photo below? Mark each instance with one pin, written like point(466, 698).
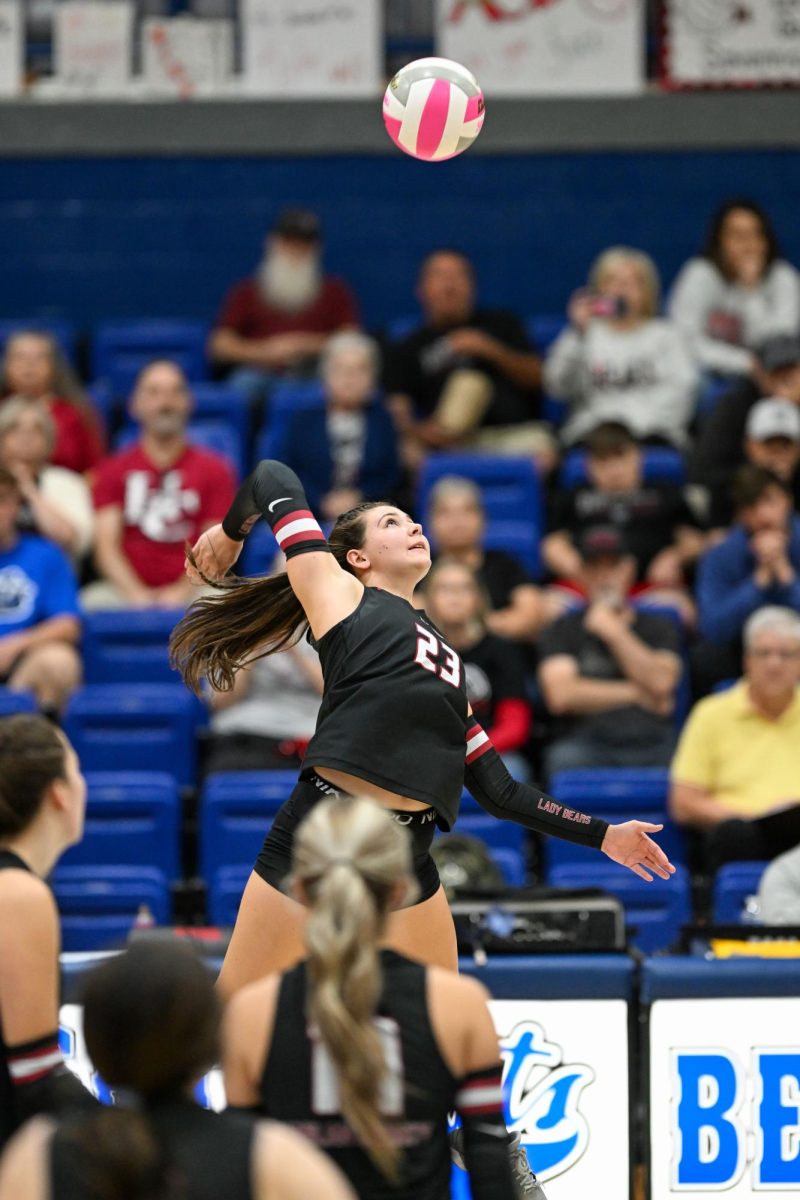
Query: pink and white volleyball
point(433, 109)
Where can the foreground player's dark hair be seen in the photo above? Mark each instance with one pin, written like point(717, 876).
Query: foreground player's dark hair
point(151, 1021)
point(32, 756)
point(251, 618)
point(349, 857)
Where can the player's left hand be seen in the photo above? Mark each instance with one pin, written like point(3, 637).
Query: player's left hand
point(629, 845)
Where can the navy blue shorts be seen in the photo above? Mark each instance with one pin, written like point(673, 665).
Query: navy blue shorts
point(275, 860)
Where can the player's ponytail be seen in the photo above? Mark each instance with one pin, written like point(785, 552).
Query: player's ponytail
point(251, 618)
point(349, 861)
point(163, 998)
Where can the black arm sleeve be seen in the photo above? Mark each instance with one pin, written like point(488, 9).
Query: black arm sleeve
point(43, 1083)
point(487, 779)
point(483, 1144)
point(274, 492)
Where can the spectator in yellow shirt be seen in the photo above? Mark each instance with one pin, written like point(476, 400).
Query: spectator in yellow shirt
point(736, 773)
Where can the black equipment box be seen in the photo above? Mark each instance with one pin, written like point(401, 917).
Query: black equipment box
point(539, 922)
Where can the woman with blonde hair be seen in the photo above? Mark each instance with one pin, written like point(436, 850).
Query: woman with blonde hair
point(365, 1050)
point(34, 368)
point(619, 360)
point(56, 502)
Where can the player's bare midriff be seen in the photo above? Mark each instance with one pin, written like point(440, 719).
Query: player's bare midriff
point(361, 787)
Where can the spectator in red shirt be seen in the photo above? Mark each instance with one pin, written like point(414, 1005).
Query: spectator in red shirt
point(153, 498)
point(277, 321)
point(34, 368)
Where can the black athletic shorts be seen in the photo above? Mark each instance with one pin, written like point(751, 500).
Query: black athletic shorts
point(275, 860)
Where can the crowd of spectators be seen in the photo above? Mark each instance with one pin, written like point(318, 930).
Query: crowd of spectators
point(652, 585)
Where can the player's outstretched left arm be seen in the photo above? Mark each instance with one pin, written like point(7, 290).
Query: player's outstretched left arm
point(327, 593)
point(488, 780)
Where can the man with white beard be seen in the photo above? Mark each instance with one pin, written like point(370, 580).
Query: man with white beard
point(276, 322)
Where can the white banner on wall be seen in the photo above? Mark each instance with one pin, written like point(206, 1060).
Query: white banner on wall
point(93, 42)
point(732, 42)
point(725, 1098)
point(185, 57)
point(566, 1083)
point(546, 47)
point(11, 52)
point(312, 47)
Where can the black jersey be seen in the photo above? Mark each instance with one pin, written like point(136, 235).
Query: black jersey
point(394, 706)
point(8, 1104)
point(208, 1155)
point(299, 1086)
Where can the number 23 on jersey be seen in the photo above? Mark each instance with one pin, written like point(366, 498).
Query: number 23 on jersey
point(430, 649)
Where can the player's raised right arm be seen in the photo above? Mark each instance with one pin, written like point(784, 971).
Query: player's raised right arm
point(272, 491)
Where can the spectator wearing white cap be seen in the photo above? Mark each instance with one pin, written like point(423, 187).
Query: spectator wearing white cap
point(772, 440)
point(718, 447)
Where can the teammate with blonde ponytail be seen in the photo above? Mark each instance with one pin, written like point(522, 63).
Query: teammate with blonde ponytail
point(363, 1050)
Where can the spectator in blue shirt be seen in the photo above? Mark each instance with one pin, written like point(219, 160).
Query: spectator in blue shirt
point(757, 564)
point(346, 451)
point(39, 617)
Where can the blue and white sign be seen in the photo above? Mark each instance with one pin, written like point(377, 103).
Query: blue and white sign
point(725, 1098)
point(565, 1080)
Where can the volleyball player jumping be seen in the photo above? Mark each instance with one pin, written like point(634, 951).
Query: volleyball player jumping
point(394, 723)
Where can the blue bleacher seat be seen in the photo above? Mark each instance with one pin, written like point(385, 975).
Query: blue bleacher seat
point(129, 644)
point(511, 490)
point(99, 904)
point(16, 702)
point(617, 794)
point(733, 883)
point(286, 398)
point(544, 328)
point(403, 326)
point(121, 348)
point(220, 436)
point(662, 464)
point(236, 810)
point(136, 727)
point(63, 331)
point(225, 892)
point(132, 819)
point(621, 790)
point(657, 909)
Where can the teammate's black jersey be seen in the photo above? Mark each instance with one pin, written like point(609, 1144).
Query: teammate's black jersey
point(8, 1105)
point(394, 706)
point(208, 1155)
point(299, 1085)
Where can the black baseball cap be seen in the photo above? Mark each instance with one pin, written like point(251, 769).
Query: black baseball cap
point(780, 351)
point(298, 223)
point(602, 541)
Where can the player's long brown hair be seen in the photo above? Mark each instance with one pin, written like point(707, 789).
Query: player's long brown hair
point(251, 618)
point(349, 857)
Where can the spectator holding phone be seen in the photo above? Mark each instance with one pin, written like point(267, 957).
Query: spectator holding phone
point(618, 360)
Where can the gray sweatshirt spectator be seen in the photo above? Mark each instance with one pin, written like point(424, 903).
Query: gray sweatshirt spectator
point(739, 294)
point(779, 890)
point(632, 367)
